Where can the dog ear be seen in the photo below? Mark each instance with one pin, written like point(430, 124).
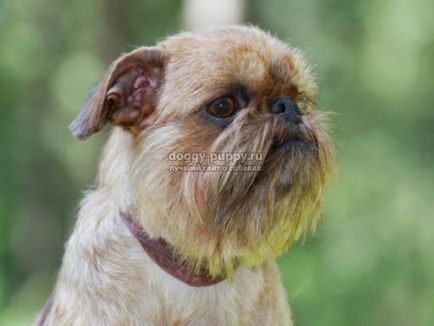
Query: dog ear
point(125, 96)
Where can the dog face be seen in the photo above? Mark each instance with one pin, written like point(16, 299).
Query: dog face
point(234, 90)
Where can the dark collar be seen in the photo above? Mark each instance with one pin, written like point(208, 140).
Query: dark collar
point(164, 256)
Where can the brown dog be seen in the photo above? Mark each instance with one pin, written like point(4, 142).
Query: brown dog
point(215, 166)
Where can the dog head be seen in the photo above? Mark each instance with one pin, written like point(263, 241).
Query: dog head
point(241, 103)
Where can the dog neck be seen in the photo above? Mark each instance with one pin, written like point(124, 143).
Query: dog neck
point(165, 257)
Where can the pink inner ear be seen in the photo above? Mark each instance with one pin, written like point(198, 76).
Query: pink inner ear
point(134, 95)
point(146, 78)
point(144, 85)
point(139, 90)
point(140, 81)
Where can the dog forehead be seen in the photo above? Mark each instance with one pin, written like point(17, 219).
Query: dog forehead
point(208, 64)
point(225, 54)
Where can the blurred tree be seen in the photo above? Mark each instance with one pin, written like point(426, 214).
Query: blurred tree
point(371, 260)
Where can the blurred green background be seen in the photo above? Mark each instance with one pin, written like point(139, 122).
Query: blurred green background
point(372, 259)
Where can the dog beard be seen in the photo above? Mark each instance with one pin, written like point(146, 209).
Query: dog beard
point(236, 216)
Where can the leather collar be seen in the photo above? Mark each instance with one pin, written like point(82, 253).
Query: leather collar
point(162, 253)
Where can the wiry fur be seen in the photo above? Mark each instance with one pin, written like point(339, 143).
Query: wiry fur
point(237, 222)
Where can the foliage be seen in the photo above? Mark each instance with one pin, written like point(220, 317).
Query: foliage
point(371, 261)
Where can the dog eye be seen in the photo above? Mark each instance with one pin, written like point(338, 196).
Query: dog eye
point(223, 107)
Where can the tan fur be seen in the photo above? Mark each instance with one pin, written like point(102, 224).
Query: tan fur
point(236, 222)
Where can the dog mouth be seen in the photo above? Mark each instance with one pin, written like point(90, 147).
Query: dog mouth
point(287, 145)
point(290, 145)
point(286, 157)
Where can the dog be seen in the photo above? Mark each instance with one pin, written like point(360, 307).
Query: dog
point(165, 239)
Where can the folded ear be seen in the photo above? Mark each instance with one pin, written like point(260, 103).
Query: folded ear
point(125, 96)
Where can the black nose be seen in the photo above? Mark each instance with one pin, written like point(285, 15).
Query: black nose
point(286, 109)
